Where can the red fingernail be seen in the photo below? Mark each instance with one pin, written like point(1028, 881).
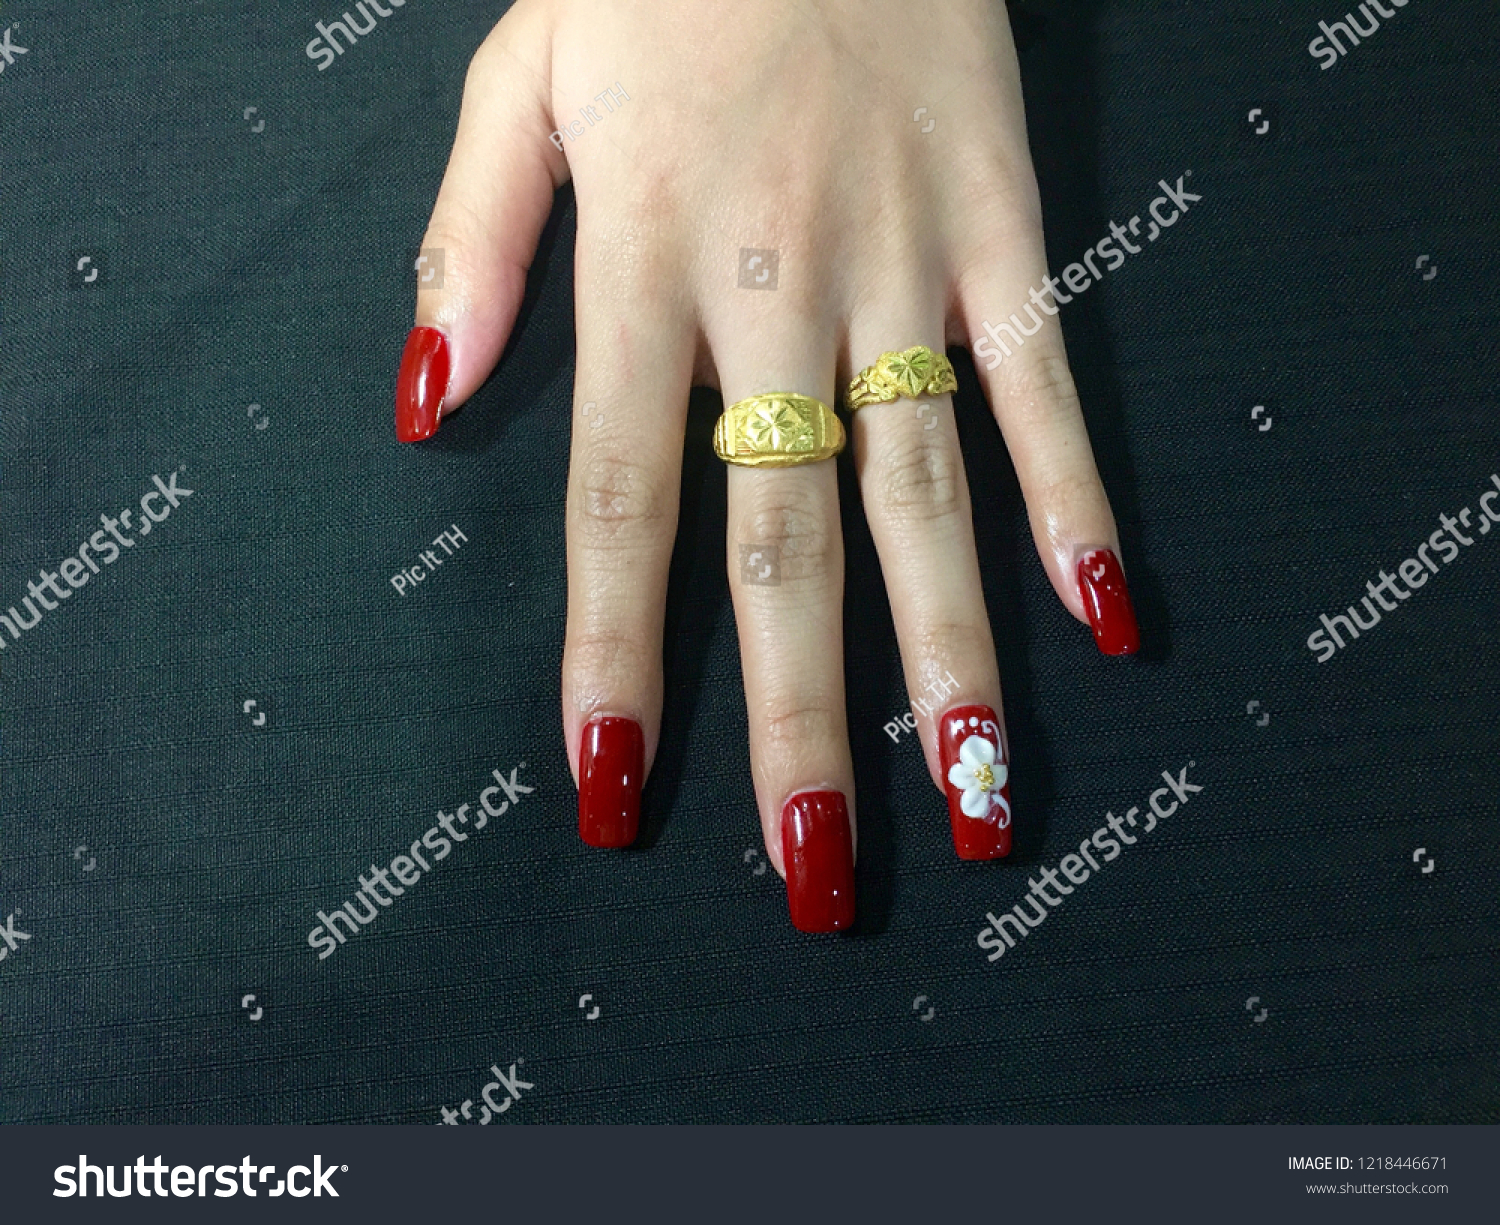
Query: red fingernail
point(976, 779)
point(611, 761)
point(1106, 599)
point(818, 854)
point(421, 384)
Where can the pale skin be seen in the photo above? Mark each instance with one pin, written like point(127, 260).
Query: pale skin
point(786, 125)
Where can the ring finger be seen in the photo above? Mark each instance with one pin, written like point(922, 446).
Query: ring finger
point(790, 621)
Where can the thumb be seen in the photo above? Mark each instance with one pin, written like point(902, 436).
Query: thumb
point(495, 199)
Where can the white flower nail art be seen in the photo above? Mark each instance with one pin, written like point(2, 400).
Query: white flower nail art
point(980, 777)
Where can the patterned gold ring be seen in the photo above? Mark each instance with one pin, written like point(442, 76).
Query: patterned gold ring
point(915, 373)
point(778, 429)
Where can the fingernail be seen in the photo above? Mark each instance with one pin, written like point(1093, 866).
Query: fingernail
point(818, 854)
point(976, 779)
point(421, 384)
point(1106, 599)
point(611, 761)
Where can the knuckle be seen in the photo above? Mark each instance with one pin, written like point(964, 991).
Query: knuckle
point(487, 64)
point(656, 193)
point(945, 643)
point(1072, 499)
point(482, 62)
point(636, 264)
point(1042, 388)
point(1000, 205)
point(1007, 185)
point(465, 235)
point(617, 501)
point(792, 728)
point(920, 479)
point(599, 656)
point(797, 524)
point(505, 42)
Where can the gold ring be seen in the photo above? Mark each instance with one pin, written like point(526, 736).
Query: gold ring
point(917, 372)
point(778, 429)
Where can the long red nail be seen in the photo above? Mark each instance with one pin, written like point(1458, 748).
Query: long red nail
point(819, 857)
point(421, 384)
point(977, 781)
point(1106, 599)
point(611, 761)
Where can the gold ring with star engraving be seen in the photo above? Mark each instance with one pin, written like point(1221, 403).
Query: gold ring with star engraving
point(915, 373)
point(778, 429)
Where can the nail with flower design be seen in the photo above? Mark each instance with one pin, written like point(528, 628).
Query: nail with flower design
point(978, 775)
point(972, 753)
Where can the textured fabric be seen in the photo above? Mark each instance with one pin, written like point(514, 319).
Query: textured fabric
point(1273, 951)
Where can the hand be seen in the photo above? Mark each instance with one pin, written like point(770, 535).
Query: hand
point(691, 130)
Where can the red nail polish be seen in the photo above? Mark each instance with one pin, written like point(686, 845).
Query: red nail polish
point(1106, 599)
point(976, 779)
point(421, 384)
point(818, 853)
point(611, 763)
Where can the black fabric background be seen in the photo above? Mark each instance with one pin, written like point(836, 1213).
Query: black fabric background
point(274, 269)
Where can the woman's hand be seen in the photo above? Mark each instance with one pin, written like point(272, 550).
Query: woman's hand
point(693, 130)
